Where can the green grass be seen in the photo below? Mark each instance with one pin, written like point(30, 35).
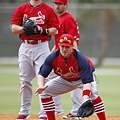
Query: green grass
point(108, 86)
point(110, 66)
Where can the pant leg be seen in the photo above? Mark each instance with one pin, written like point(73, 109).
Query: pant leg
point(58, 104)
point(56, 99)
point(76, 96)
point(98, 102)
point(26, 74)
point(56, 86)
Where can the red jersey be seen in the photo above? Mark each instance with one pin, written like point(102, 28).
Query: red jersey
point(43, 15)
point(78, 66)
point(69, 25)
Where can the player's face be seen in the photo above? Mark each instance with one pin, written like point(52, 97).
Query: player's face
point(35, 2)
point(66, 51)
point(60, 8)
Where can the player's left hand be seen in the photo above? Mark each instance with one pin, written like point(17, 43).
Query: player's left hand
point(86, 109)
point(40, 90)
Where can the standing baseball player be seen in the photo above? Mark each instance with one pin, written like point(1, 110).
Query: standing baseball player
point(68, 24)
point(35, 22)
point(74, 70)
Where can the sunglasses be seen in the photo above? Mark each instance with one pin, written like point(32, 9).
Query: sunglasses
point(66, 41)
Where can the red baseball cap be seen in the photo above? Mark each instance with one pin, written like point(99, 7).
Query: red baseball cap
point(66, 40)
point(61, 1)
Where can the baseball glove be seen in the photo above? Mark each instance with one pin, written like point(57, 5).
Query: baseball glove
point(86, 109)
point(30, 27)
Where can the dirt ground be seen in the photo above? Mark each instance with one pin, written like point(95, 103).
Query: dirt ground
point(13, 117)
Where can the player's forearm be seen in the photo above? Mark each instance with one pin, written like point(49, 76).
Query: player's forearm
point(41, 80)
point(17, 29)
point(86, 91)
point(52, 31)
point(41, 84)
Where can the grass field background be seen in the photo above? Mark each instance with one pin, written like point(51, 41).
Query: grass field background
point(108, 86)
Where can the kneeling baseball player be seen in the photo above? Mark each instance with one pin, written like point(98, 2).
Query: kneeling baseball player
point(74, 70)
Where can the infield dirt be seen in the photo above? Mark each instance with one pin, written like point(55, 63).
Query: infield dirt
point(33, 117)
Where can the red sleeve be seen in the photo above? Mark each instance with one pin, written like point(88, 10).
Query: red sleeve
point(71, 27)
point(17, 16)
point(53, 20)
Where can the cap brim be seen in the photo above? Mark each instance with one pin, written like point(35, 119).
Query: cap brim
point(65, 44)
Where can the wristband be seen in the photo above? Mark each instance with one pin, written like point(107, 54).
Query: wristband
point(86, 92)
point(45, 31)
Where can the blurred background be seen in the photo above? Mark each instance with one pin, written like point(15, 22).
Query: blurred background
point(99, 22)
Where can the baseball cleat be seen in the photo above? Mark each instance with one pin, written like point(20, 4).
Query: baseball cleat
point(43, 118)
point(22, 117)
point(58, 113)
point(70, 117)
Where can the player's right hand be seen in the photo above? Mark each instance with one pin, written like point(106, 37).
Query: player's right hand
point(40, 90)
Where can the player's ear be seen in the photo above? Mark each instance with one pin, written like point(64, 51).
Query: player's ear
point(66, 5)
